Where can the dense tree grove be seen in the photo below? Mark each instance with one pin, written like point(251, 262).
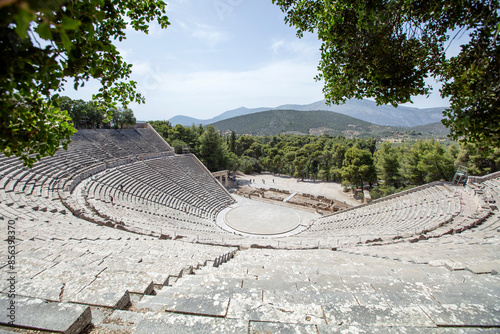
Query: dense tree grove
point(386, 167)
point(89, 114)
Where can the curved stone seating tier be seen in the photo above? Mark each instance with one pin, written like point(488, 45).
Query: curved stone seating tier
point(118, 143)
point(474, 249)
point(491, 192)
point(156, 205)
point(405, 215)
point(174, 200)
point(154, 139)
point(428, 212)
point(61, 258)
point(159, 221)
point(159, 181)
point(191, 166)
point(88, 149)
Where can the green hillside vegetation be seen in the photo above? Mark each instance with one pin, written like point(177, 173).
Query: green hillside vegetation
point(383, 167)
point(400, 134)
point(274, 122)
point(437, 129)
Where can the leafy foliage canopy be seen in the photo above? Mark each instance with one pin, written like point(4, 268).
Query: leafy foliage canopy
point(386, 50)
point(42, 44)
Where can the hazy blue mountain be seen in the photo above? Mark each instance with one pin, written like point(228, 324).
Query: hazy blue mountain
point(365, 110)
point(188, 121)
point(184, 120)
point(368, 111)
point(234, 113)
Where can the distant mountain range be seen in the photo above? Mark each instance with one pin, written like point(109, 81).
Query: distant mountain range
point(365, 110)
point(188, 121)
point(315, 122)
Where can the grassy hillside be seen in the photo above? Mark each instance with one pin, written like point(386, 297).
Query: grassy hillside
point(272, 122)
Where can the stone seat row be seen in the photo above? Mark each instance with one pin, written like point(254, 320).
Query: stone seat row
point(69, 162)
point(159, 222)
point(393, 215)
point(148, 179)
point(123, 142)
point(134, 190)
point(192, 168)
point(186, 168)
point(152, 200)
point(99, 270)
point(153, 139)
point(53, 174)
point(472, 250)
point(319, 291)
point(493, 189)
point(178, 186)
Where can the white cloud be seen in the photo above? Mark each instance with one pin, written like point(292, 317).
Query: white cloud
point(210, 35)
point(141, 68)
point(277, 45)
point(208, 93)
point(295, 48)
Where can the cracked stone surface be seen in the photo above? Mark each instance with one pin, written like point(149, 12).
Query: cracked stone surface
point(165, 323)
point(211, 305)
point(39, 314)
point(259, 327)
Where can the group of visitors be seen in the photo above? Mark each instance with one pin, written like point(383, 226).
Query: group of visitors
point(137, 158)
point(253, 180)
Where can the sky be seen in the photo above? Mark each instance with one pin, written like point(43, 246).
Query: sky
point(219, 55)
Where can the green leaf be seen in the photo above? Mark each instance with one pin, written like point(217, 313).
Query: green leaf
point(69, 23)
point(23, 19)
point(44, 31)
point(65, 40)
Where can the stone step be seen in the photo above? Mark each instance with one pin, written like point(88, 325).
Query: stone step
point(224, 297)
point(279, 327)
point(115, 321)
point(38, 314)
point(168, 323)
point(202, 284)
point(212, 302)
point(103, 293)
point(289, 197)
point(364, 329)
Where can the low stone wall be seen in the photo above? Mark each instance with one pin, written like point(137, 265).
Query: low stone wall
point(306, 200)
point(481, 179)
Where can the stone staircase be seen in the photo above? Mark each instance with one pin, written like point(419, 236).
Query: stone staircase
point(317, 291)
